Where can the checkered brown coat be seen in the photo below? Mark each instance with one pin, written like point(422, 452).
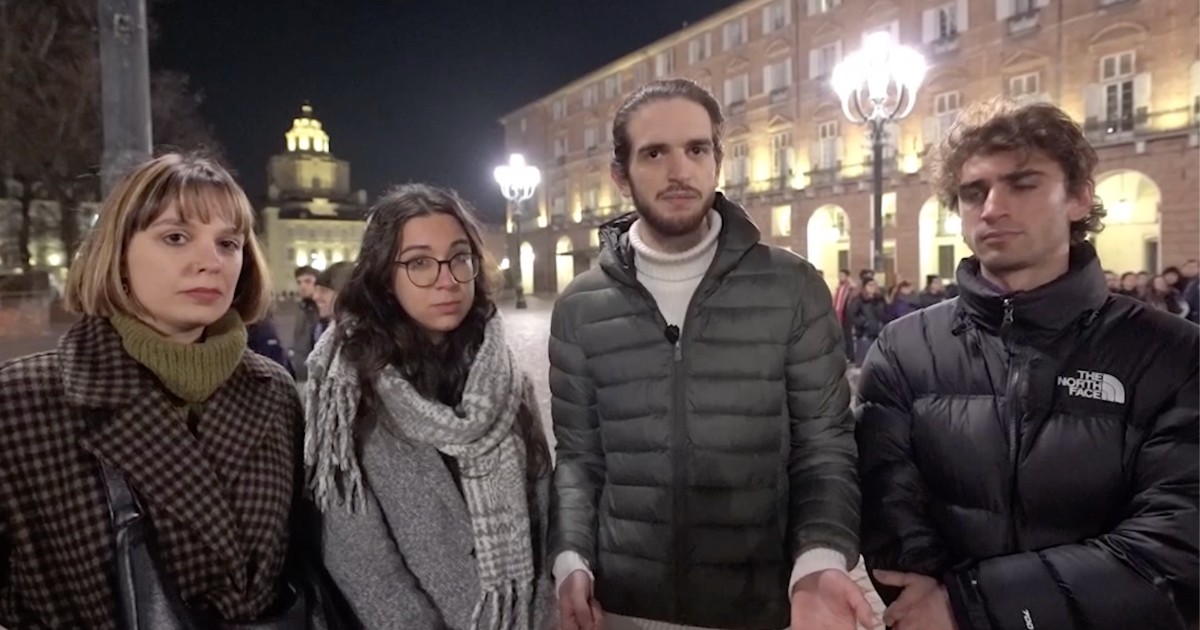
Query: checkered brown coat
point(218, 496)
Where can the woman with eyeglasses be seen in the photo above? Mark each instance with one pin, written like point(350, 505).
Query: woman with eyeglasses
point(426, 454)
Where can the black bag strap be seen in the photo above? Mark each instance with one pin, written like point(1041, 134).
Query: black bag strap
point(123, 505)
point(317, 596)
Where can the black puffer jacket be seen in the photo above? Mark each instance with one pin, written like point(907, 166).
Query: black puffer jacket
point(1037, 453)
point(304, 337)
point(869, 315)
point(691, 475)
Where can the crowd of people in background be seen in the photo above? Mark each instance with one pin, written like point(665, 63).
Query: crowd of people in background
point(317, 292)
point(1175, 290)
point(863, 307)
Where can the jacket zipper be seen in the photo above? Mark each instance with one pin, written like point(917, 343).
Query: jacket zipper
point(1016, 379)
point(679, 436)
point(678, 423)
point(678, 443)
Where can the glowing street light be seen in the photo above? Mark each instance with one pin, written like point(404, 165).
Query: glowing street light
point(878, 85)
point(518, 181)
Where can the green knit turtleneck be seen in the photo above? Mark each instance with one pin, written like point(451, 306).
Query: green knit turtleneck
point(190, 371)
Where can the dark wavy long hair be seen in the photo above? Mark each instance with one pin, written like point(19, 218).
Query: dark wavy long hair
point(374, 331)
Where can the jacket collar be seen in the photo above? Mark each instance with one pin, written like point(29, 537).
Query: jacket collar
point(1049, 308)
point(738, 235)
point(98, 373)
point(144, 432)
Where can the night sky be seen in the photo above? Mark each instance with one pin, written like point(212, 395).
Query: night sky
point(408, 91)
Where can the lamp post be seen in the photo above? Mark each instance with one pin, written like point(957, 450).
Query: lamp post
point(878, 85)
point(124, 88)
point(518, 181)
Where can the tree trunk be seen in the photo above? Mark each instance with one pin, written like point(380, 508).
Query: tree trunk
point(25, 226)
point(68, 224)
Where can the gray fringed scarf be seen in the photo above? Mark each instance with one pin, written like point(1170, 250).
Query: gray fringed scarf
point(478, 434)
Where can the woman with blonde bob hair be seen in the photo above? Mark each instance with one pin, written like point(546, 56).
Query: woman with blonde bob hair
point(149, 465)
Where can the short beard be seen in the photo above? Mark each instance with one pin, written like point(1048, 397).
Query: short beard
point(674, 226)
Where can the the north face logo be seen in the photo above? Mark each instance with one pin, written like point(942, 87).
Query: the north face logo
point(1094, 385)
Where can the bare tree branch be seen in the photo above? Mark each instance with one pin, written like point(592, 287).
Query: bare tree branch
point(51, 132)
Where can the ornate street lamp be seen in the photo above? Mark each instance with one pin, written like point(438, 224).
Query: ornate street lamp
point(518, 181)
point(878, 85)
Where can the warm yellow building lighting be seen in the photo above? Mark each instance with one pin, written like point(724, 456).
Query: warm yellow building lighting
point(306, 133)
point(952, 225)
point(781, 221)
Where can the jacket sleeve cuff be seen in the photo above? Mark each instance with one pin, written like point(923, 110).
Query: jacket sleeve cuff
point(814, 560)
point(966, 600)
point(1013, 592)
point(565, 564)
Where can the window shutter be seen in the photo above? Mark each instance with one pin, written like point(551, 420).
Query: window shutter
point(1093, 104)
point(929, 26)
point(1141, 98)
point(931, 131)
point(1004, 10)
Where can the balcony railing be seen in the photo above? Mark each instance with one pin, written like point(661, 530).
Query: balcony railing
point(1024, 22)
point(852, 172)
point(528, 222)
point(770, 186)
point(891, 164)
point(735, 191)
point(1141, 124)
point(946, 44)
point(779, 183)
point(824, 176)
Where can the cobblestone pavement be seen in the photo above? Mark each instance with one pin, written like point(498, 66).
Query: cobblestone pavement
point(529, 333)
point(11, 348)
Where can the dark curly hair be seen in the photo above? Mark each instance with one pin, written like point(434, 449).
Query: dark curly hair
point(375, 331)
point(1000, 125)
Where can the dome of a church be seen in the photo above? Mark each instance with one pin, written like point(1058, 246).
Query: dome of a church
point(306, 133)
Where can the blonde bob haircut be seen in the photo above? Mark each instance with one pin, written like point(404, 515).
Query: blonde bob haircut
point(199, 190)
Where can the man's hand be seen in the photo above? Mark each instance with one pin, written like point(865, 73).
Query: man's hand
point(577, 609)
point(830, 600)
point(922, 605)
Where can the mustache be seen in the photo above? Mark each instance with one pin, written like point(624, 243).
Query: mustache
point(679, 189)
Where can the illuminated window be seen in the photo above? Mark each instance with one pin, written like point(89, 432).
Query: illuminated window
point(781, 221)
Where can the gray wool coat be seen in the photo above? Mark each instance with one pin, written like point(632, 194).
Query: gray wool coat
point(408, 560)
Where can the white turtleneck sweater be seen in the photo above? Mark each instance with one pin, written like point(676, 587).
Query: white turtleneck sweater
point(671, 279)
